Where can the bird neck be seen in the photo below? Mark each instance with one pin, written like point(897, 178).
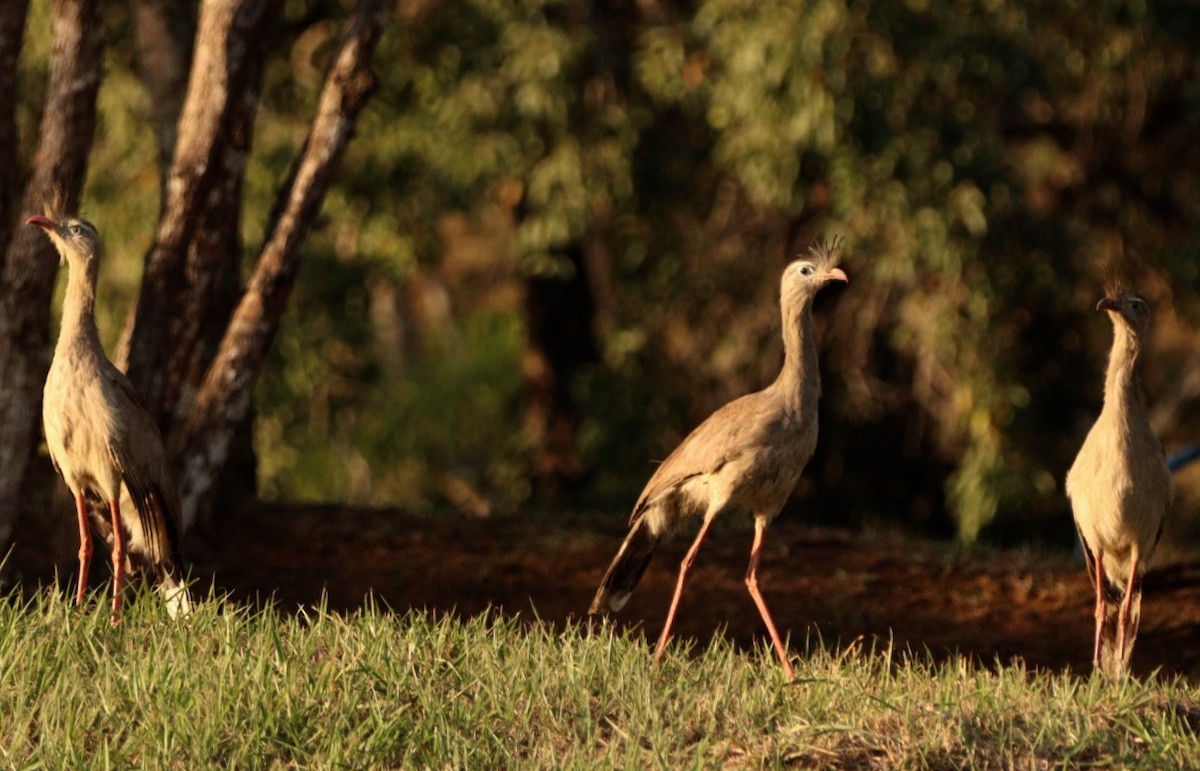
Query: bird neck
point(1122, 383)
point(79, 306)
point(799, 381)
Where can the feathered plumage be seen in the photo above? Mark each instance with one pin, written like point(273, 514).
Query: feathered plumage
point(1120, 487)
point(746, 456)
point(105, 445)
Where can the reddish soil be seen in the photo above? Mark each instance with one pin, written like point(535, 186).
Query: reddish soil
point(830, 587)
point(823, 585)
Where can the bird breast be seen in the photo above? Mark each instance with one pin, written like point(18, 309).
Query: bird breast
point(81, 428)
point(1120, 490)
point(764, 486)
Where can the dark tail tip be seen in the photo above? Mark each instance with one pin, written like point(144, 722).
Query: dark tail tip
point(625, 571)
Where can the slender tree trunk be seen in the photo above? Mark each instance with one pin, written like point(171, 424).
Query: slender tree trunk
point(165, 30)
point(182, 268)
point(215, 260)
point(560, 315)
point(225, 396)
point(30, 265)
point(12, 26)
point(563, 315)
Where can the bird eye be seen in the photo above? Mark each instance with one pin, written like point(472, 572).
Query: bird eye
point(76, 230)
point(806, 270)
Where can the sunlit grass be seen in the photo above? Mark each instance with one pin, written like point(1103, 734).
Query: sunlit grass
point(249, 688)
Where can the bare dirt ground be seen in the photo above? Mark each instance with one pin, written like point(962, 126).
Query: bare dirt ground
point(822, 585)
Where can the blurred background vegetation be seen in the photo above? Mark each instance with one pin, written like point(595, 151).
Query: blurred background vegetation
point(553, 246)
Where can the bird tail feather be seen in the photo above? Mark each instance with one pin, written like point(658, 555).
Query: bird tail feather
point(175, 594)
point(626, 569)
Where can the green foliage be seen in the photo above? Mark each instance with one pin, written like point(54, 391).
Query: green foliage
point(983, 159)
point(390, 438)
point(1001, 131)
point(237, 687)
point(767, 97)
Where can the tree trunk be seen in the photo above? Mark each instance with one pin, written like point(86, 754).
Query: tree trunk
point(183, 266)
point(215, 250)
point(12, 25)
point(165, 31)
point(30, 265)
point(215, 259)
point(560, 314)
point(225, 396)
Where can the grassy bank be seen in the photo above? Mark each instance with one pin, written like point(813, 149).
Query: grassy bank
point(248, 688)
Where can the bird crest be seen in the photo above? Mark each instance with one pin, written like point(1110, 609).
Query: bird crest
point(55, 204)
point(1116, 280)
point(826, 253)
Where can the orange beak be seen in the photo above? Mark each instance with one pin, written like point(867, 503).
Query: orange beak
point(837, 274)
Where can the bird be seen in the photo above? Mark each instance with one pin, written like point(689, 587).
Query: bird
point(1120, 487)
point(102, 440)
point(747, 457)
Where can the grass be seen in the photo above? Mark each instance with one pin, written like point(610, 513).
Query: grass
point(254, 688)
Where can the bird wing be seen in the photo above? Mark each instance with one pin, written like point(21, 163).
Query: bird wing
point(1088, 557)
point(736, 428)
point(124, 384)
point(50, 412)
point(152, 505)
point(142, 463)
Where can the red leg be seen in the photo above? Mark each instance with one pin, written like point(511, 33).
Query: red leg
point(118, 559)
point(85, 548)
point(683, 572)
point(1123, 614)
point(760, 526)
point(1100, 609)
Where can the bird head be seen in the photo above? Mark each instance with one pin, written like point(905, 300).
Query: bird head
point(76, 239)
point(808, 274)
point(1126, 307)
